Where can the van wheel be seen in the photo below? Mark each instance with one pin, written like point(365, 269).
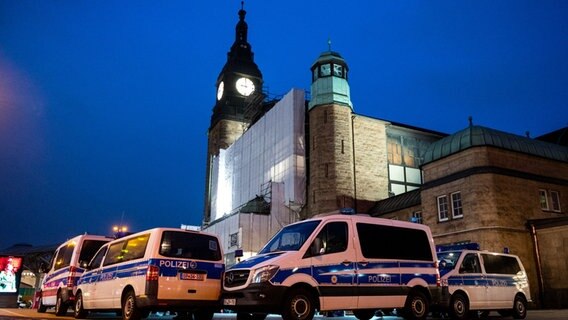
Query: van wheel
point(79, 312)
point(364, 314)
point(416, 306)
point(298, 305)
point(459, 306)
point(60, 306)
point(129, 309)
point(520, 308)
point(203, 314)
point(41, 308)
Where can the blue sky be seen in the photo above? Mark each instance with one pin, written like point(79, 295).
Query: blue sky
point(105, 105)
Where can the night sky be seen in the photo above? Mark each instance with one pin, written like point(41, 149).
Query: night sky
point(105, 105)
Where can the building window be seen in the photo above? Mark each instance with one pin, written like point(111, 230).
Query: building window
point(555, 197)
point(457, 210)
point(342, 146)
point(327, 170)
point(417, 217)
point(442, 208)
point(325, 116)
point(543, 199)
point(234, 240)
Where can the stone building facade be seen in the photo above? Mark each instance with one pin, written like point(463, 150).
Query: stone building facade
point(490, 187)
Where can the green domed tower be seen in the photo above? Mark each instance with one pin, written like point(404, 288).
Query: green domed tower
point(331, 184)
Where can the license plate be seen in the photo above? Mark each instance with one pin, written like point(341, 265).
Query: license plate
point(192, 276)
point(229, 302)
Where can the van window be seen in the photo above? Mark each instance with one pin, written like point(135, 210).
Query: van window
point(114, 254)
point(135, 247)
point(291, 237)
point(88, 250)
point(64, 256)
point(500, 264)
point(332, 238)
point(96, 262)
point(177, 244)
point(470, 264)
point(388, 242)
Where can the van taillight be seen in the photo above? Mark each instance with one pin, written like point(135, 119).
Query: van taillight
point(71, 277)
point(153, 273)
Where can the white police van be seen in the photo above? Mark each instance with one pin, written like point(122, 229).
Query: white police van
point(66, 266)
point(155, 270)
point(337, 262)
point(483, 281)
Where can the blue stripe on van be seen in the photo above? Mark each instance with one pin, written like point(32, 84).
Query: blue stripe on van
point(344, 274)
point(479, 280)
point(168, 268)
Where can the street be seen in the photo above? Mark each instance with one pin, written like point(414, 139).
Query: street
point(7, 313)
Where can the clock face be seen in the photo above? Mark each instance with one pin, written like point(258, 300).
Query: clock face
point(245, 86)
point(220, 90)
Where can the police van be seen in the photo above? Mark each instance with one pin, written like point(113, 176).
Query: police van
point(66, 266)
point(483, 281)
point(155, 270)
point(337, 262)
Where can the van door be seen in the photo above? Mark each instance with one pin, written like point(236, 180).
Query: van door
point(107, 282)
point(473, 280)
point(333, 266)
point(193, 268)
point(378, 266)
point(501, 272)
point(91, 277)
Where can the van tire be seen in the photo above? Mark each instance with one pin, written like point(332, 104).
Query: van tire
point(129, 309)
point(364, 314)
point(520, 307)
point(79, 311)
point(203, 314)
point(416, 306)
point(459, 306)
point(41, 308)
point(298, 305)
point(60, 306)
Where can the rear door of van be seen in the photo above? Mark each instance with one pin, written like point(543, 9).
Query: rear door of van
point(191, 267)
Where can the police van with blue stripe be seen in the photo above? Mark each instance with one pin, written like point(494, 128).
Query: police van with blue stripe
point(161, 269)
point(66, 266)
point(483, 281)
point(338, 262)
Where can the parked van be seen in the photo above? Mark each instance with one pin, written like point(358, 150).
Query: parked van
point(483, 281)
point(338, 262)
point(155, 270)
point(67, 264)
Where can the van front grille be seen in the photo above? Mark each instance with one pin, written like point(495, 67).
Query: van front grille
point(236, 278)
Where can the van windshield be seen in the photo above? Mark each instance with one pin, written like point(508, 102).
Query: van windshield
point(291, 238)
point(189, 245)
point(448, 259)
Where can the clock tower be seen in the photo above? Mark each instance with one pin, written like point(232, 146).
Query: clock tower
point(238, 85)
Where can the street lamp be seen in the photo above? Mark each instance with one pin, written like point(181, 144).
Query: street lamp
point(119, 231)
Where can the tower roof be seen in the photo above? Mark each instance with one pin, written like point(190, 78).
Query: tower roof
point(329, 56)
point(476, 136)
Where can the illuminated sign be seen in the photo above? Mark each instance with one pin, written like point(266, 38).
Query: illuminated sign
point(10, 269)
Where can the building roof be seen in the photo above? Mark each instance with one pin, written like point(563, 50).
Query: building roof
point(401, 201)
point(559, 136)
point(476, 136)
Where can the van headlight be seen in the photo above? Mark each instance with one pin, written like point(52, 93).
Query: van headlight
point(264, 274)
